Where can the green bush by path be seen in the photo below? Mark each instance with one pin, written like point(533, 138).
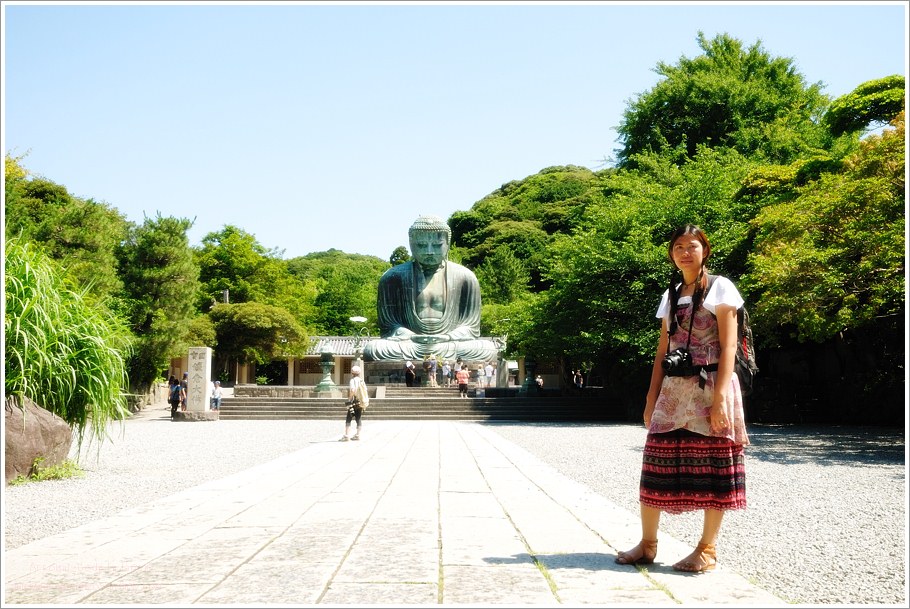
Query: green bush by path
point(64, 351)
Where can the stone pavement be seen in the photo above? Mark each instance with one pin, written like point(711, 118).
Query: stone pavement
point(416, 513)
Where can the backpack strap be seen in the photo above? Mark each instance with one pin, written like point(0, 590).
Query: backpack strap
point(711, 279)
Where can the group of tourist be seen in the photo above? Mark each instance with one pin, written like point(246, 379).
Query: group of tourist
point(447, 375)
point(179, 390)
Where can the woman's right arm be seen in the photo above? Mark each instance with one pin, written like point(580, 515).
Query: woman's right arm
point(657, 373)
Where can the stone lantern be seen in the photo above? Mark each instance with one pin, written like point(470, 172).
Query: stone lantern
point(327, 387)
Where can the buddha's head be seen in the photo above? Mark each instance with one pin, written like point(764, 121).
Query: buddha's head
point(429, 237)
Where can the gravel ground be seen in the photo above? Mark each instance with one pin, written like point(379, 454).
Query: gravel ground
point(826, 522)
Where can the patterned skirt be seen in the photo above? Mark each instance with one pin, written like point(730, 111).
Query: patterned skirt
point(684, 471)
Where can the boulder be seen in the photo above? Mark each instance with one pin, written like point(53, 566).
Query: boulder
point(32, 432)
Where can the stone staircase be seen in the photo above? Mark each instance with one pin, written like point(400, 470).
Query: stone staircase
point(431, 403)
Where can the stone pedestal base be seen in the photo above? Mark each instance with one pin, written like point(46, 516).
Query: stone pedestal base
point(330, 393)
point(191, 415)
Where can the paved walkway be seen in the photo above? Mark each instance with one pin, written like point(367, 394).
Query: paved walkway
point(416, 513)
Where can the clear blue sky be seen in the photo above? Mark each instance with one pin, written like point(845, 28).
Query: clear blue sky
point(336, 125)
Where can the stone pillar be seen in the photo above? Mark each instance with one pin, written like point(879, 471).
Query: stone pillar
point(292, 365)
point(200, 369)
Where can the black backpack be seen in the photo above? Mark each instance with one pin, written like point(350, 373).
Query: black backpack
point(175, 392)
point(744, 364)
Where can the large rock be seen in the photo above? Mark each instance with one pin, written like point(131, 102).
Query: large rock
point(32, 432)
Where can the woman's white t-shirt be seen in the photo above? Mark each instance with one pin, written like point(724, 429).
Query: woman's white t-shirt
point(722, 292)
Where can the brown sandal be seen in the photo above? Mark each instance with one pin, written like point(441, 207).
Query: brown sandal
point(648, 549)
point(703, 551)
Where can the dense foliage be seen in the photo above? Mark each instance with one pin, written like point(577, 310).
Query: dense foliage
point(346, 286)
point(65, 350)
point(160, 283)
point(235, 267)
point(81, 235)
point(256, 332)
point(730, 97)
point(873, 103)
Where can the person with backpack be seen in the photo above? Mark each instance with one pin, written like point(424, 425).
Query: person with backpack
point(185, 385)
point(176, 394)
point(359, 399)
point(694, 452)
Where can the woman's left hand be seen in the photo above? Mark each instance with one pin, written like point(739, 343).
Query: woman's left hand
point(719, 421)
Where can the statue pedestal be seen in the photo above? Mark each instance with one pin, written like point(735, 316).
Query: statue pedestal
point(329, 393)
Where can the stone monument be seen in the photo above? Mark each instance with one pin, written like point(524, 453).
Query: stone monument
point(198, 407)
point(429, 305)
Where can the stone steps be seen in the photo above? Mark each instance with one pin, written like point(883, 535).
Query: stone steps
point(435, 407)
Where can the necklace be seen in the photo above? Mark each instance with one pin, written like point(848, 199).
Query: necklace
point(686, 285)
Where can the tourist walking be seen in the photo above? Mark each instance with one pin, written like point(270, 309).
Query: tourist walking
point(358, 400)
point(693, 457)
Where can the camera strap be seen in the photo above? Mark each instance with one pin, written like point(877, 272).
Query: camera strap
point(701, 371)
point(689, 336)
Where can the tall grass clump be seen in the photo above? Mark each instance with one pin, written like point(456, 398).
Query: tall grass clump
point(64, 351)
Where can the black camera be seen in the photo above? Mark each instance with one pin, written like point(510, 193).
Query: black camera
point(678, 362)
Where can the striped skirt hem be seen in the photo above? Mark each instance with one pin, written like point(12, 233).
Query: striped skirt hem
point(684, 471)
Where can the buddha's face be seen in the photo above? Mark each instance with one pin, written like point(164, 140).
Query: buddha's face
point(429, 249)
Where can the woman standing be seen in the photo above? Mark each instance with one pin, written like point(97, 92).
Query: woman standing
point(462, 377)
point(693, 456)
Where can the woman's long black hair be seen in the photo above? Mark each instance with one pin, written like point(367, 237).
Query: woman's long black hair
point(676, 276)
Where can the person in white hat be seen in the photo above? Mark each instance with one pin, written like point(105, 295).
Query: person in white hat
point(355, 407)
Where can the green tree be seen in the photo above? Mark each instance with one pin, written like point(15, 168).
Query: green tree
point(160, 288)
point(832, 259)
point(830, 270)
point(875, 103)
point(13, 171)
point(523, 215)
point(64, 351)
point(728, 97)
point(346, 286)
point(252, 332)
point(513, 321)
point(233, 260)
point(502, 276)
point(607, 276)
point(399, 256)
point(82, 235)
